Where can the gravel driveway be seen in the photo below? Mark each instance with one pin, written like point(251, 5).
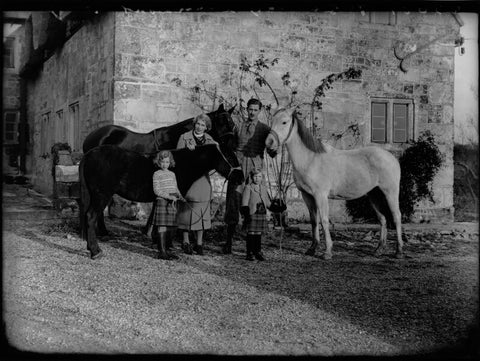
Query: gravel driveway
point(58, 300)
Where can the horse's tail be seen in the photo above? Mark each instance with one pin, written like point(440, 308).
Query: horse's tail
point(84, 200)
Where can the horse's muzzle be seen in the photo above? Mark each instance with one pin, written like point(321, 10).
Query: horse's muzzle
point(271, 145)
point(272, 152)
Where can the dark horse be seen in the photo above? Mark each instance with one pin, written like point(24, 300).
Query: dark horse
point(109, 169)
point(164, 138)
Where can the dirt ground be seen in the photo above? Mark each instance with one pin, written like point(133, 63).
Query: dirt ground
point(56, 299)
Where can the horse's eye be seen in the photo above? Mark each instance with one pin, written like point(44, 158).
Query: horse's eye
point(284, 123)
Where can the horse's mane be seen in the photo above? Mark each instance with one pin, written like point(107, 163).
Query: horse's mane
point(307, 138)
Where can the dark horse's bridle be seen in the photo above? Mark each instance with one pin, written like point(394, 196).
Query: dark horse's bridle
point(230, 133)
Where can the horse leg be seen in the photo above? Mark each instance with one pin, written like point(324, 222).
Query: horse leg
point(149, 220)
point(101, 229)
point(392, 200)
point(91, 216)
point(97, 205)
point(322, 205)
point(374, 201)
point(312, 209)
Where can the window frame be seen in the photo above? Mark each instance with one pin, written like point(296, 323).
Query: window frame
point(392, 18)
point(45, 133)
point(10, 40)
point(390, 120)
point(386, 122)
point(74, 127)
point(15, 131)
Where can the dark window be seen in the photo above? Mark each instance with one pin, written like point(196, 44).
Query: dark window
point(10, 127)
point(384, 18)
point(400, 123)
point(74, 127)
point(9, 53)
point(379, 122)
point(392, 120)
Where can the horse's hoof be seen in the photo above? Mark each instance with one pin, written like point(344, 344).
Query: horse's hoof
point(378, 252)
point(97, 255)
point(310, 252)
point(173, 256)
point(327, 256)
point(187, 248)
point(399, 255)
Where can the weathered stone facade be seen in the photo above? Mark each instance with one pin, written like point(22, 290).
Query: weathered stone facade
point(122, 66)
point(81, 72)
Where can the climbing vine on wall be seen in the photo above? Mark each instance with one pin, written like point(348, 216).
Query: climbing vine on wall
point(251, 81)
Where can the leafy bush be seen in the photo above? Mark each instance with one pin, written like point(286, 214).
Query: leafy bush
point(419, 165)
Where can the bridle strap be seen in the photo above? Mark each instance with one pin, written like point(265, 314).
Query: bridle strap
point(275, 134)
point(155, 140)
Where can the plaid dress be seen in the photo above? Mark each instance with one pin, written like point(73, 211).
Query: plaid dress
point(164, 183)
point(257, 199)
point(165, 213)
point(258, 224)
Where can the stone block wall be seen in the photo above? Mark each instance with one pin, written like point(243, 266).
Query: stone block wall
point(152, 49)
point(81, 72)
point(11, 101)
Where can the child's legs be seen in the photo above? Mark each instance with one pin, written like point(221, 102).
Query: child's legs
point(200, 237)
point(185, 236)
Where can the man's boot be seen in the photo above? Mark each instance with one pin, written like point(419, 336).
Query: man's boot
point(249, 247)
point(257, 247)
point(227, 247)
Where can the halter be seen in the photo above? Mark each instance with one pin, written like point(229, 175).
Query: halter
point(275, 134)
point(155, 140)
point(231, 133)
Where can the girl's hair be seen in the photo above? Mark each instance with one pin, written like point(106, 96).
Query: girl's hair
point(205, 118)
point(163, 155)
point(254, 172)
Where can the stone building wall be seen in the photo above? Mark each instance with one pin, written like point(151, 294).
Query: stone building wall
point(76, 78)
point(153, 49)
point(11, 101)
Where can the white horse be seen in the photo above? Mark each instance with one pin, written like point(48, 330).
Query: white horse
point(321, 172)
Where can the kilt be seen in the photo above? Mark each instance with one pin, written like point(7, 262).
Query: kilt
point(165, 214)
point(232, 203)
point(194, 216)
point(258, 223)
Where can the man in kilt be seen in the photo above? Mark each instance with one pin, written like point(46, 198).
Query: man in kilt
point(251, 135)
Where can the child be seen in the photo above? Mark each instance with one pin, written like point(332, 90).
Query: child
point(166, 189)
point(255, 201)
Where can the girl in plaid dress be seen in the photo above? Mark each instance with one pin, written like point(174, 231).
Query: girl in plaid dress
point(255, 201)
point(166, 189)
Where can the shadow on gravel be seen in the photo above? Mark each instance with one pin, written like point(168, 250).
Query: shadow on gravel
point(422, 302)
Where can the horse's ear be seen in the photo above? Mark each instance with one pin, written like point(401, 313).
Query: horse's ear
point(230, 111)
point(221, 108)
